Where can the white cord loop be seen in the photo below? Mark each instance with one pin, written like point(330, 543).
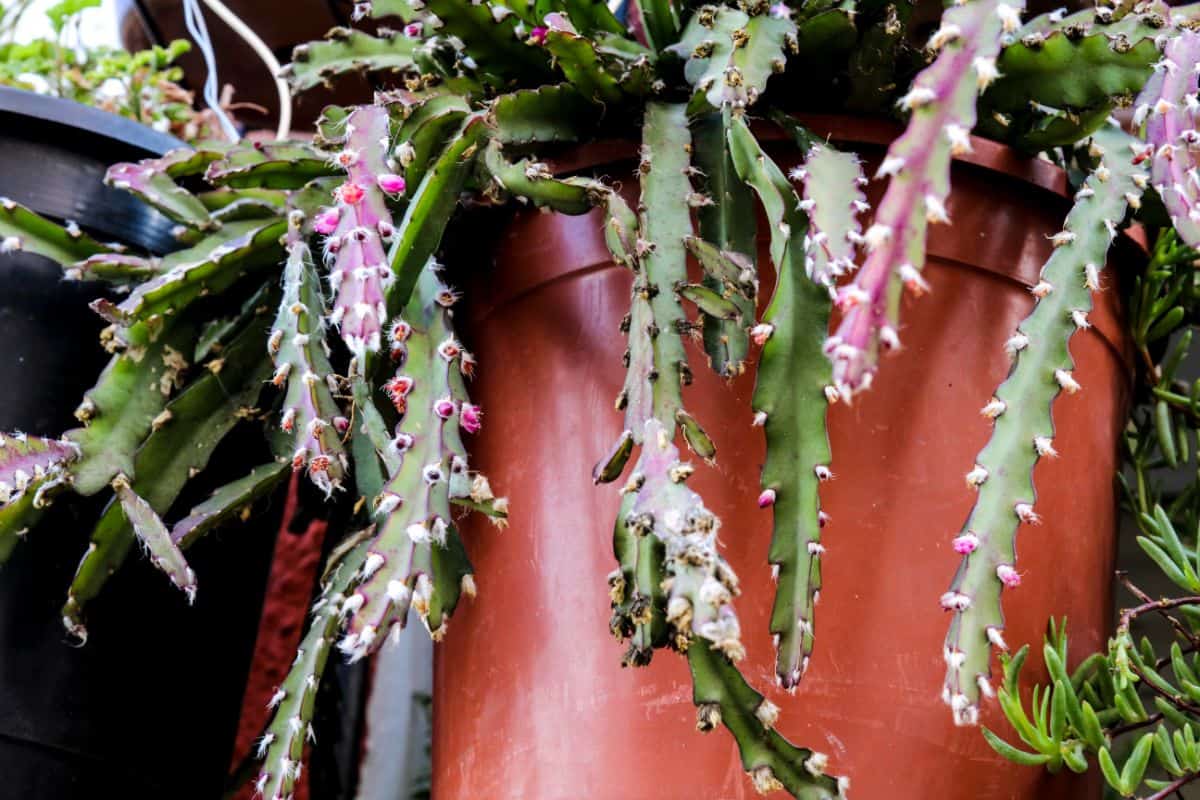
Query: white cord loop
point(194, 19)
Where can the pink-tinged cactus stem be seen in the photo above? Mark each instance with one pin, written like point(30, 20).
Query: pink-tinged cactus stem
point(942, 102)
point(360, 273)
point(297, 348)
point(1169, 105)
point(25, 460)
point(426, 463)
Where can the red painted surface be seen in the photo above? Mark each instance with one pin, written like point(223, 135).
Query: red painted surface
point(285, 611)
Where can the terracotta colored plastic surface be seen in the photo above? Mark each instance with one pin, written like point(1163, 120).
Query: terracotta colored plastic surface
point(530, 699)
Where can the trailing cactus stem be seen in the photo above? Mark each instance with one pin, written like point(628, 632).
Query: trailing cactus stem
point(722, 695)
point(414, 559)
point(31, 467)
point(942, 100)
point(153, 534)
point(361, 274)
point(281, 747)
point(792, 391)
point(1024, 429)
point(699, 585)
point(1169, 106)
point(297, 348)
point(657, 365)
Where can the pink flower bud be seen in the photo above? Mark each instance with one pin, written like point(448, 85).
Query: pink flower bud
point(1008, 576)
point(444, 408)
point(412, 30)
point(326, 222)
point(538, 35)
point(967, 543)
point(767, 498)
point(471, 418)
point(822, 519)
point(392, 184)
point(341, 424)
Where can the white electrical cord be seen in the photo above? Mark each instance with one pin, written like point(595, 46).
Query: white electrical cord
point(194, 19)
point(266, 56)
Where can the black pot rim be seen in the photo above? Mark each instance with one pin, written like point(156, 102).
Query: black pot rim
point(113, 131)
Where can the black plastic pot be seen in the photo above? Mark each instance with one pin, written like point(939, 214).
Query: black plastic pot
point(149, 707)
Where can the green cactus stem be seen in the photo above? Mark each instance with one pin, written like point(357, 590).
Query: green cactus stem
point(556, 113)
point(281, 747)
point(1169, 107)
point(728, 225)
point(793, 388)
point(833, 199)
point(657, 368)
point(730, 54)
point(419, 233)
point(22, 230)
point(492, 34)
point(1024, 429)
point(699, 585)
point(297, 348)
point(1078, 61)
point(577, 58)
point(149, 181)
point(345, 50)
point(252, 245)
point(416, 559)
point(155, 538)
point(269, 165)
point(226, 503)
point(942, 100)
point(184, 435)
point(424, 132)
point(119, 411)
point(722, 696)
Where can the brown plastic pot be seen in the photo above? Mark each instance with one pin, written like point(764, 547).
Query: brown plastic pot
point(530, 699)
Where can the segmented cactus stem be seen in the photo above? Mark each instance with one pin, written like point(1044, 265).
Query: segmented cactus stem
point(942, 102)
point(281, 747)
point(1024, 429)
point(415, 559)
point(1168, 104)
point(793, 387)
point(297, 347)
point(358, 230)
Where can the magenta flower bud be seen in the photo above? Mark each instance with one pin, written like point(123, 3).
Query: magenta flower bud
point(341, 424)
point(412, 30)
point(471, 418)
point(967, 543)
point(326, 222)
point(444, 408)
point(538, 35)
point(767, 498)
point(392, 184)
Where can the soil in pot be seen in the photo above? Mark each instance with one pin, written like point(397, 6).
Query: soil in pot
point(530, 697)
point(148, 708)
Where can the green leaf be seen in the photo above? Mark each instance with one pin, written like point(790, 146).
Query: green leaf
point(1013, 754)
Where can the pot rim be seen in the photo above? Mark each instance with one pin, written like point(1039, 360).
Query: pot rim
point(984, 154)
point(116, 131)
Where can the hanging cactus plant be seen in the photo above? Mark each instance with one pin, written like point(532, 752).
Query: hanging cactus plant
point(307, 297)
